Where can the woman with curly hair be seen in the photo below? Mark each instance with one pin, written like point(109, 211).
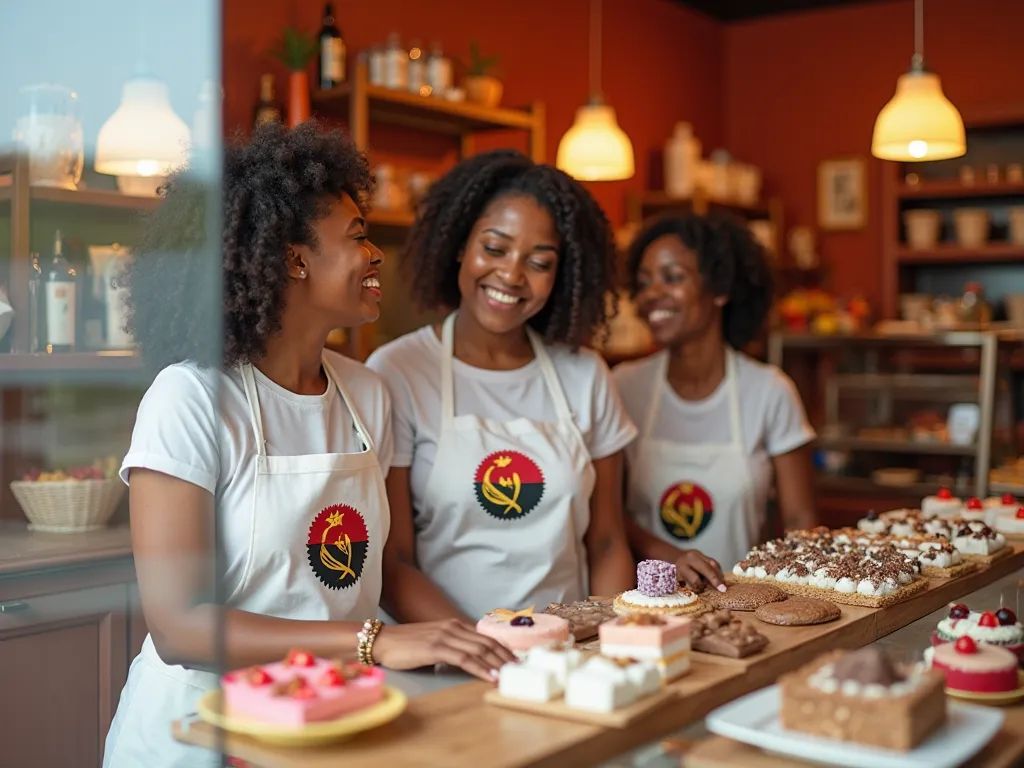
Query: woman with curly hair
point(505, 487)
point(715, 424)
point(269, 450)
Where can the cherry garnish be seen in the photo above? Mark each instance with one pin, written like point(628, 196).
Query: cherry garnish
point(522, 621)
point(959, 611)
point(1006, 617)
point(988, 619)
point(1008, 499)
point(966, 644)
point(1020, 513)
point(944, 494)
point(975, 504)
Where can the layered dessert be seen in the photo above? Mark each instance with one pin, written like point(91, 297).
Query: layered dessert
point(922, 540)
point(658, 592)
point(979, 543)
point(662, 640)
point(861, 697)
point(1010, 524)
point(942, 504)
point(992, 627)
point(975, 667)
point(604, 685)
point(818, 564)
point(541, 676)
point(722, 634)
point(584, 616)
point(519, 631)
point(301, 689)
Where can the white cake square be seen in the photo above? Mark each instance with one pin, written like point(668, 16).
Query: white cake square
point(521, 681)
point(600, 685)
point(560, 663)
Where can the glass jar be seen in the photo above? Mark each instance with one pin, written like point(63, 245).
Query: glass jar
point(49, 129)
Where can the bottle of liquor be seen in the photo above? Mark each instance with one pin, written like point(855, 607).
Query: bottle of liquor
point(267, 110)
point(332, 52)
point(60, 293)
point(35, 304)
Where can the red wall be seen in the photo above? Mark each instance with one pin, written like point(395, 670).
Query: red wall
point(802, 88)
point(662, 63)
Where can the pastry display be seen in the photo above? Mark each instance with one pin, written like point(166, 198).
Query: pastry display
point(519, 631)
point(935, 555)
point(815, 564)
point(744, 597)
point(979, 543)
point(1010, 524)
point(973, 511)
point(301, 689)
point(584, 616)
point(661, 640)
point(998, 627)
point(798, 612)
point(658, 592)
point(861, 697)
point(942, 504)
point(995, 506)
point(722, 634)
point(975, 667)
point(604, 685)
point(541, 676)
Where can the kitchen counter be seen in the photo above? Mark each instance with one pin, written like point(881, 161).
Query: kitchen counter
point(24, 550)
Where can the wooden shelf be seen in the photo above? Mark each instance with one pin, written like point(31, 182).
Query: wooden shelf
point(894, 446)
point(113, 368)
point(95, 198)
point(954, 189)
point(951, 254)
point(423, 112)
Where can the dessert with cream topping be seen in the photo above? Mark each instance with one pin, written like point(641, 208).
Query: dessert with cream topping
point(662, 640)
point(1010, 524)
point(998, 627)
point(979, 543)
point(975, 667)
point(519, 631)
point(604, 685)
point(973, 511)
point(541, 676)
point(1006, 504)
point(658, 592)
point(301, 689)
point(861, 697)
point(942, 504)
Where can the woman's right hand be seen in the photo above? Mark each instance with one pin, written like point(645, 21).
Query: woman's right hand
point(411, 646)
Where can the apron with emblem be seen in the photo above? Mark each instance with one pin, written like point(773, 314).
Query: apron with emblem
point(699, 496)
point(507, 503)
point(313, 552)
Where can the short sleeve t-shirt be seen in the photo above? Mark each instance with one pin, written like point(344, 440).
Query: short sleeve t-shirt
point(411, 367)
point(194, 424)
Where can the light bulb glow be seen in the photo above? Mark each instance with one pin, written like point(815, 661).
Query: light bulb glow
point(917, 148)
point(918, 123)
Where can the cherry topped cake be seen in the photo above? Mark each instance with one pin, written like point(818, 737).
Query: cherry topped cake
point(658, 592)
point(998, 627)
point(519, 631)
point(301, 689)
point(975, 667)
point(942, 504)
point(1010, 524)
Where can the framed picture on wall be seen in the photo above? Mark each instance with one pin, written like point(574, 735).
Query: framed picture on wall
point(842, 194)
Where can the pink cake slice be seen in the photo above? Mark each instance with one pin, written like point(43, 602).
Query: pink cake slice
point(522, 630)
point(976, 667)
point(301, 689)
point(645, 637)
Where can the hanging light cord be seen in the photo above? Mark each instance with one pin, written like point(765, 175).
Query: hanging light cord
point(917, 62)
point(595, 51)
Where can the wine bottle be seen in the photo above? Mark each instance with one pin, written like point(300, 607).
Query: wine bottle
point(35, 304)
point(332, 52)
point(267, 110)
point(61, 298)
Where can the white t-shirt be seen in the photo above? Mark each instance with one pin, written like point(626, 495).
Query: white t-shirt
point(411, 367)
point(193, 424)
point(771, 414)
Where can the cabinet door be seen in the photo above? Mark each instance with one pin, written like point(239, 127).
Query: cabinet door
point(63, 662)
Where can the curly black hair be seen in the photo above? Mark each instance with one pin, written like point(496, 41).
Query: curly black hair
point(577, 307)
point(274, 187)
point(732, 263)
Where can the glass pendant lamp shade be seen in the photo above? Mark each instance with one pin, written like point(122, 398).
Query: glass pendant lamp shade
point(595, 148)
point(919, 122)
point(144, 137)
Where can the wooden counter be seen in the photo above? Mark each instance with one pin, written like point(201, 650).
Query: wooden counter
point(454, 727)
point(24, 550)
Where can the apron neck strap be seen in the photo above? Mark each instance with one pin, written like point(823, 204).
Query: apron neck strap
point(547, 368)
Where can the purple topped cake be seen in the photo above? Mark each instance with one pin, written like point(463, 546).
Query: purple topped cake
point(658, 592)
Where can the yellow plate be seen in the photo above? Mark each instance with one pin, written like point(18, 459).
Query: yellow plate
point(993, 699)
point(311, 735)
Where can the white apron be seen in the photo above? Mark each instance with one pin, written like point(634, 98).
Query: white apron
point(319, 523)
point(699, 496)
point(507, 504)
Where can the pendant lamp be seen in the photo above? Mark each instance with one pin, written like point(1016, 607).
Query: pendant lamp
point(919, 123)
point(595, 148)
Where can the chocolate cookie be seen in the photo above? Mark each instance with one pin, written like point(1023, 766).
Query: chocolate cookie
point(745, 597)
point(722, 634)
point(798, 611)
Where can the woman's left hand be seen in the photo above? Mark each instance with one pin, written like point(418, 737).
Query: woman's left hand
point(696, 569)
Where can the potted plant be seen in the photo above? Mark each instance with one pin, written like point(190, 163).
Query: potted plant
point(295, 50)
point(482, 87)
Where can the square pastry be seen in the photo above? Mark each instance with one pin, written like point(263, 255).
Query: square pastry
point(663, 640)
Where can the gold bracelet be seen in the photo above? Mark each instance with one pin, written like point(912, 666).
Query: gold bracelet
point(364, 651)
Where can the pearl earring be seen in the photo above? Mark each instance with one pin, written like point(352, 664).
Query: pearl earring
point(302, 273)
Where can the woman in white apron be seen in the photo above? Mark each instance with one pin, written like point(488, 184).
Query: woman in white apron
point(716, 425)
point(505, 482)
point(272, 452)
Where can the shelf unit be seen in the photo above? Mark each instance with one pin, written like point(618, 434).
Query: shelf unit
point(363, 105)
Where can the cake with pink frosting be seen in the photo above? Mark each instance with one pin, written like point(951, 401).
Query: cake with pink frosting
point(658, 592)
point(519, 631)
point(301, 689)
point(975, 667)
point(663, 640)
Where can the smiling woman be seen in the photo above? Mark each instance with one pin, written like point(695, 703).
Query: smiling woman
point(505, 484)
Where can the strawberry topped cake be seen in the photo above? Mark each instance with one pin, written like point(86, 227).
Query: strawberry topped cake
point(942, 504)
point(658, 592)
point(301, 689)
point(519, 631)
point(973, 511)
point(991, 627)
point(1011, 524)
point(975, 667)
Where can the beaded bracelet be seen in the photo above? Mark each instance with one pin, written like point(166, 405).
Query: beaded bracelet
point(364, 651)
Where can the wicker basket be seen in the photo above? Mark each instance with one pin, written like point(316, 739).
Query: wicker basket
point(69, 506)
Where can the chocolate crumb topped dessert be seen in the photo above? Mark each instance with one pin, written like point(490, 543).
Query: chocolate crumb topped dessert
point(722, 634)
point(861, 697)
point(584, 616)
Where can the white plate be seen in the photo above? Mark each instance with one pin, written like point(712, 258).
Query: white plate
point(754, 720)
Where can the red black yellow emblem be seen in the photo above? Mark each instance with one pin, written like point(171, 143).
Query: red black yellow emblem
point(686, 510)
point(508, 485)
point(337, 545)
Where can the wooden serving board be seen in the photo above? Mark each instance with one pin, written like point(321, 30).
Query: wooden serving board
point(619, 718)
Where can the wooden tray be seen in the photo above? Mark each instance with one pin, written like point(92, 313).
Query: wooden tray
point(619, 718)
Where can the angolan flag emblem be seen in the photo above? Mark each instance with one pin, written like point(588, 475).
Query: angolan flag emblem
point(337, 545)
point(508, 485)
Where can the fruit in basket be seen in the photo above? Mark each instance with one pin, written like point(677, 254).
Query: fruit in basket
point(101, 469)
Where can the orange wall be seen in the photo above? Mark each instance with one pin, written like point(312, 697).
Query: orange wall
point(802, 88)
point(661, 63)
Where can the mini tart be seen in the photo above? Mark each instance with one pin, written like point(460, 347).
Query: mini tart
point(986, 669)
point(682, 602)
